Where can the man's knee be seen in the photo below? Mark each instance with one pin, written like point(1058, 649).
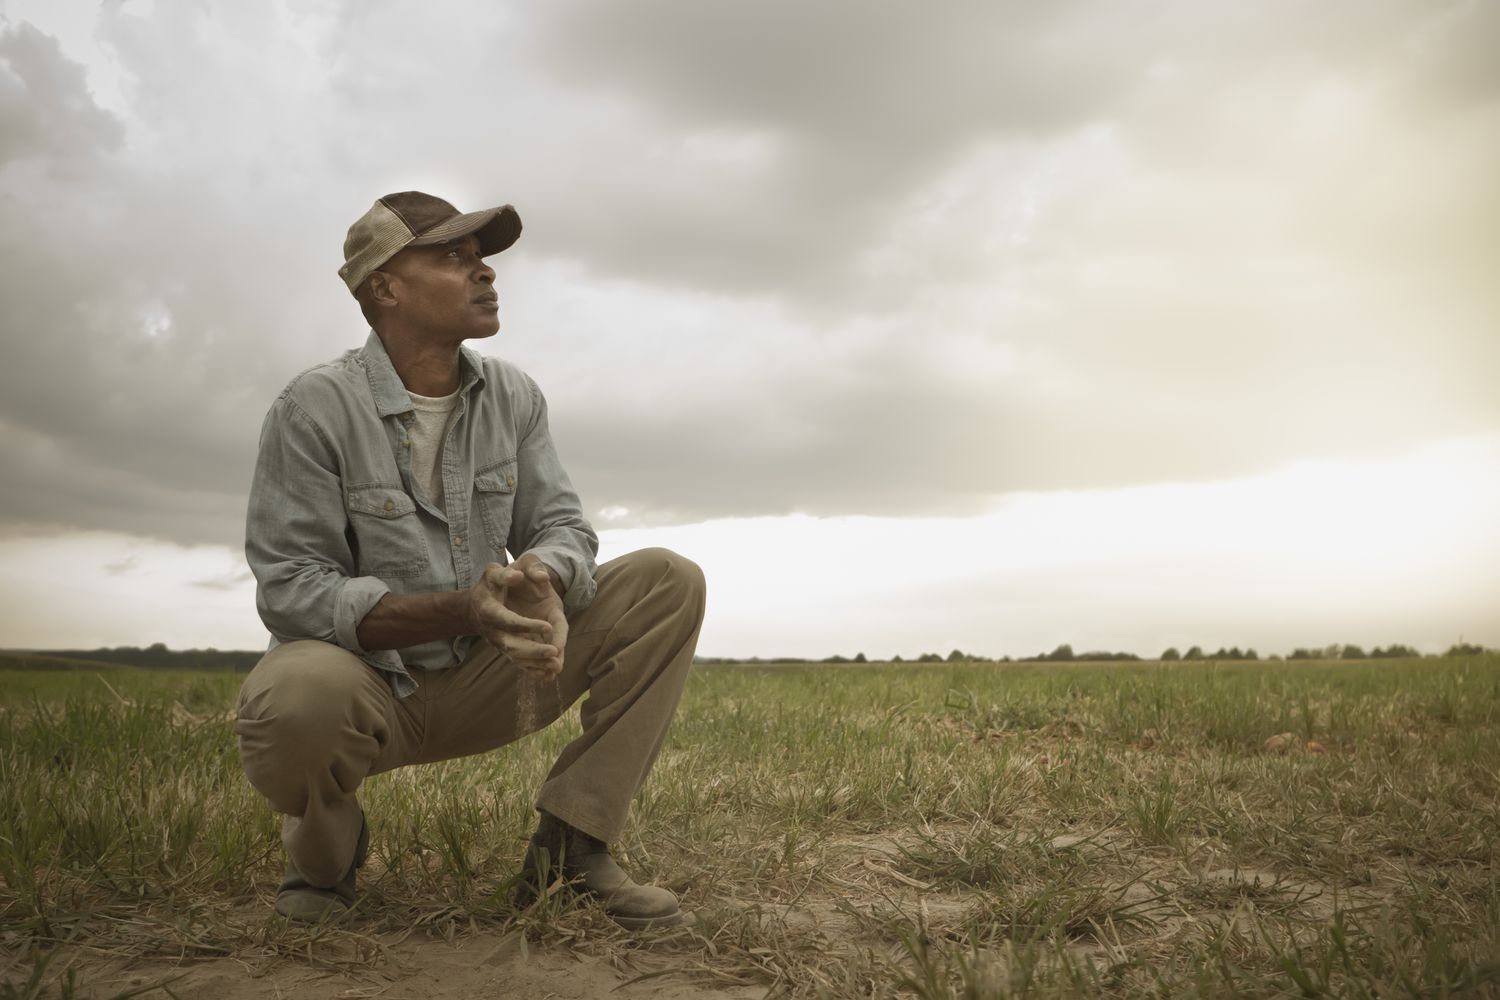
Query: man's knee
point(302, 685)
point(666, 569)
point(300, 709)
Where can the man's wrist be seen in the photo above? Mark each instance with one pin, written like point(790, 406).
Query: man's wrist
point(399, 621)
point(462, 608)
point(558, 587)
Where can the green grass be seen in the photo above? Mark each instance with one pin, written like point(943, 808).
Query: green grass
point(938, 831)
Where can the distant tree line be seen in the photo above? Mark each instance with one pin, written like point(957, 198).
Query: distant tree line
point(1351, 652)
point(158, 657)
point(1064, 654)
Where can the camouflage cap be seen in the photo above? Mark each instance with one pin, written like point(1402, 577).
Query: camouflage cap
point(411, 218)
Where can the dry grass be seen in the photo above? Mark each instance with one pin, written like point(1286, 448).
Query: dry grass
point(950, 831)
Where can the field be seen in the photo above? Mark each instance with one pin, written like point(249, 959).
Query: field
point(870, 831)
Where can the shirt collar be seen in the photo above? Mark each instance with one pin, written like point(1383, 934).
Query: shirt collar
point(390, 394)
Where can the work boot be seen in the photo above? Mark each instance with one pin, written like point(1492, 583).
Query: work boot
point(304, 903)
point(586, 868)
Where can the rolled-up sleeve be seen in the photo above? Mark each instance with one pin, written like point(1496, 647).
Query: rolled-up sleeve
point(296, 545)
point(549, 521)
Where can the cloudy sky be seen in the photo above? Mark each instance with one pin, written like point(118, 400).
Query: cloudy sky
point(987, 325)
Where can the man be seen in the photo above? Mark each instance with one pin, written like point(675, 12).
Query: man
point(389, 485)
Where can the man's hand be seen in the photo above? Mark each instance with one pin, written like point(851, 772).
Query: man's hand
point(517, 609)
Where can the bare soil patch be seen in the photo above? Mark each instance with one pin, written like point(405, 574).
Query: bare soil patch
point(481, 963)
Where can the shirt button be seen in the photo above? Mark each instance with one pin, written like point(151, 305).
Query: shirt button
point(458, 539)
point(510, 481)
point(406, 443)
point(389, 505)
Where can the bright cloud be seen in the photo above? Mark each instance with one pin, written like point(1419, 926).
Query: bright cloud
point(1396, 550)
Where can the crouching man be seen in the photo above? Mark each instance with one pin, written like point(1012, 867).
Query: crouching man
point(389, 485)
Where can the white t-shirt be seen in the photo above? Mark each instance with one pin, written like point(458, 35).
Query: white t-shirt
point(426, 433)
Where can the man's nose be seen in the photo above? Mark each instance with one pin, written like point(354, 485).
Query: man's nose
point(485, 273)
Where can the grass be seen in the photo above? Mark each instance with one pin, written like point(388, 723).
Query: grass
point(852, 831)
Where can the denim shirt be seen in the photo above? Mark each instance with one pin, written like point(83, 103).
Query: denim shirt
point(336, 520)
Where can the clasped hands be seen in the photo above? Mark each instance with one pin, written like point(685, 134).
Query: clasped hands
point(516, 609)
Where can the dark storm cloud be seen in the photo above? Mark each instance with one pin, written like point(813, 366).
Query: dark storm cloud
point(156, 295)
point(45, 107)
point(1211, 240)
point(854, 106)
point(137, 373)
point(893, 80)
point(139, 358)
point(858, 107)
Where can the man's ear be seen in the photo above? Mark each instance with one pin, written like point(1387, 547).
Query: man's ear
point(382, 290)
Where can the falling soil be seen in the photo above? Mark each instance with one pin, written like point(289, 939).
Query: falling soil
point(528, 711)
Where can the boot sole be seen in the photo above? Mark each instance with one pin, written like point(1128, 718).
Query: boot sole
point(310, 906)
point(646, 923)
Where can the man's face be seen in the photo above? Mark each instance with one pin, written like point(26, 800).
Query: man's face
point(447, 291)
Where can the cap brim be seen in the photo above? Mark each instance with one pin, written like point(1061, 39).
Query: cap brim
point(497, 229)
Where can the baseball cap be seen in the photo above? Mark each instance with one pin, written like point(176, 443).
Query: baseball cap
point(411, 218)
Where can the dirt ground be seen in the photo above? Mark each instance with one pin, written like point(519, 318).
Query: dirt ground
point(475, 965)
point(478, 961)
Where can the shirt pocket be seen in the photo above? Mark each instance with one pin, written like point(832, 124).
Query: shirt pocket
point(495, 496)
point(387, 531)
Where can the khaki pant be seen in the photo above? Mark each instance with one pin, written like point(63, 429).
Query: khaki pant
point(314, 720)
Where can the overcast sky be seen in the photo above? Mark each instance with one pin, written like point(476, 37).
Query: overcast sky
point(919, 326)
